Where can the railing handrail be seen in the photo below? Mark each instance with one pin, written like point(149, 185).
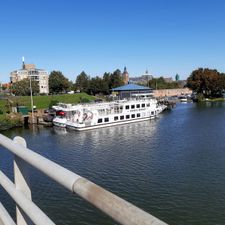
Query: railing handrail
point(114, 206)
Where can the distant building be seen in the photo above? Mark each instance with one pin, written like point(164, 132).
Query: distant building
point(182, 83)
point(130, 90)
point(30, 71)
point(168, 79)
point(125, 76)
point(143, 79)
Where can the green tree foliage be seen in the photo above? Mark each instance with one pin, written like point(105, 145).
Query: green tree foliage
point(58, 83)
point(98, 85)
point(22, 88)
point(206, 81)
point(116, 79)
point(82, 82)
point(160, 83)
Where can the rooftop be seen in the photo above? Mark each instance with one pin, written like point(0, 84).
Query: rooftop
point(131, 87)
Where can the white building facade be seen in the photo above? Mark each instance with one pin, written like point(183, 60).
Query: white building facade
point(29, 71)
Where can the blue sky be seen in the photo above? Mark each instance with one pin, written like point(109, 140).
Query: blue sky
point(97, 36)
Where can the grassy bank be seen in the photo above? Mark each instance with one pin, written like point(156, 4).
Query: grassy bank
point(8, 121)
point(43, 102)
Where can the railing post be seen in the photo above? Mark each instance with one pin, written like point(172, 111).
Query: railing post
point(21, 180)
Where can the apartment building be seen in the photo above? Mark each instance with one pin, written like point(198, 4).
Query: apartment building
point(30, 71)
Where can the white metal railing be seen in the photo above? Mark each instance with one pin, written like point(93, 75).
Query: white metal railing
point(28, 213)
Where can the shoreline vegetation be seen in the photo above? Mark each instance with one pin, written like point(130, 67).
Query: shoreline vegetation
point(9, 120)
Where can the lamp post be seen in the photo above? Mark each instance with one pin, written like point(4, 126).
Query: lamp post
point(31, 100)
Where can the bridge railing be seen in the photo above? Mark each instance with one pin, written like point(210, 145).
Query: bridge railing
point(28, 213)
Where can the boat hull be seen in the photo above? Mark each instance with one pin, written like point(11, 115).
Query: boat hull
point(73, 127)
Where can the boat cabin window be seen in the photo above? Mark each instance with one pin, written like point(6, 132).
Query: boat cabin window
point(122, 117)
point(152, 112)
point(99, 120)
point(127, 107)
point(143, 105)
point(148, 105)
point(127, 116)
point(133, 116)
point(138, 106)
point(116, 118)
point(138, 115)
point(132, 106)
point(106, 119)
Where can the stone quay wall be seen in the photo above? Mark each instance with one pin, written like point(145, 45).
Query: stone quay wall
point(171, 92)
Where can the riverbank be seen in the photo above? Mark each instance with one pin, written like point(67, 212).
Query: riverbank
point(10, 120)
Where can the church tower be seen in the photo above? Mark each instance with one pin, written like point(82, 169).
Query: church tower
point(125, 76)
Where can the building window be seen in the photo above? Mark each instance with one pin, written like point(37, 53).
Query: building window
point(99, 120)
point(132, 106)
point(138, 115)
point(106, 119)
point(127, 107)
point(148, 105)
point(152, 112)
point(116, 118)
point(122, 117)
point(127, 116)
point(138, 106)
point(133, 116)
point(143, 105)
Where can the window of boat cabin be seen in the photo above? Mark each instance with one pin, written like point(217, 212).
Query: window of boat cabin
point(138, 106)
point(127, 107)
point(127, 116)
point(106, 119)
point(152, 112)
point(99, 120)
point(132, 106)
point(122, 117)
point(143, 105)
point(148, 105)
point(133, 116)
point(138, 115)
point(116, 118)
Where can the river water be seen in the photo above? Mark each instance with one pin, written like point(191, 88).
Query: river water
point(172, 167)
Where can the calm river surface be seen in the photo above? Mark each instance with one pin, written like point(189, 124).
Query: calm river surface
point(172, 167)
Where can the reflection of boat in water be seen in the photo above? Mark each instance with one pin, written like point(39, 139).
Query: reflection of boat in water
point(59, 130)
point(106, 114)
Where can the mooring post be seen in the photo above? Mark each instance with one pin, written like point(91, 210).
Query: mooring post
point(21, 180)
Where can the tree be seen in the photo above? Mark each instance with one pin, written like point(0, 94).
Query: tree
point(160, 83)
point(116, 79)
point(206, 81)
point(82, 82)
point(58, 83)
point(106, 83)
point(22, 87)
point(95, 86)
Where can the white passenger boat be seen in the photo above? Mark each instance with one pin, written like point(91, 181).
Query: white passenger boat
point(63, 114)
point(105, 114)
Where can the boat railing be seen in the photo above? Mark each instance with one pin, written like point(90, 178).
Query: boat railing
point(26, 210)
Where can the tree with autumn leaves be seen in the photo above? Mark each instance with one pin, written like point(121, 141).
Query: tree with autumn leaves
point(208, 82)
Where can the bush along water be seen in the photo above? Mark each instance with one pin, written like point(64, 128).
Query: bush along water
point(8, 121)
